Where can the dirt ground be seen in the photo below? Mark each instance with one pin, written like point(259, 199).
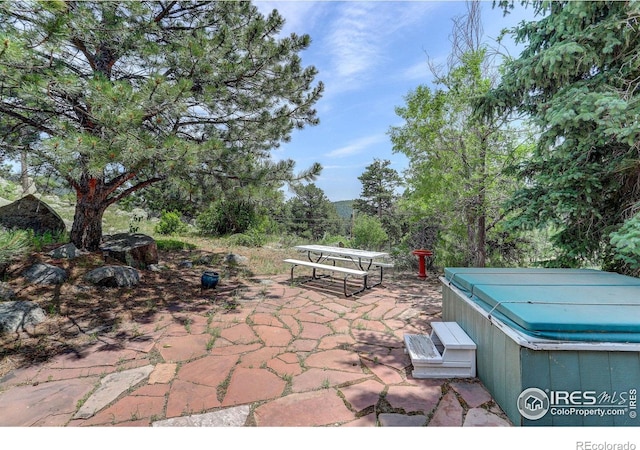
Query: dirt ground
point(78, 313)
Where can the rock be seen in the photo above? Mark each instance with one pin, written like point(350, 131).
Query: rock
point(113, 276)
point(41, 273)
point(6, 293)
point(69, 251)
point(186, 264)
point(136, 250)
point(30, 213)
point(17, 316)
point(234, 259)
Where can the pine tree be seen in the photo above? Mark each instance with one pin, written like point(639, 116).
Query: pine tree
point(123, 94)
point(578, 81)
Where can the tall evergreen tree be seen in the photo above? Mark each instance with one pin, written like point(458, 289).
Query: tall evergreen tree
point(578, 81)
point(312, 214)
point(379, 182)
point(123, 94)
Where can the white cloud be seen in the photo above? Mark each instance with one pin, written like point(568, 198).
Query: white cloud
point(357, 146)
point(299, 16)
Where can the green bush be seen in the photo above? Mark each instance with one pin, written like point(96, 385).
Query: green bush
point(38, 241)
point(170, 223)
point(173, 245)
point(368, 233)
point(231, 216)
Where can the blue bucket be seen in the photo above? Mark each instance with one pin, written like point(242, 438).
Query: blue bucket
point(209, 280)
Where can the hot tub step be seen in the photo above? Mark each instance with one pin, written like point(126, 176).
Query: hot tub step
point(447, 353)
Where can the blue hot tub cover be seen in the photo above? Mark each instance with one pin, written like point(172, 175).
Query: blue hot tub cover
point(560, 304)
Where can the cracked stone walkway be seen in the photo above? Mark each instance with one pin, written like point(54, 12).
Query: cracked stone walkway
point(285, 356)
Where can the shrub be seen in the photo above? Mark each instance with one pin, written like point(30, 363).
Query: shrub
point(37, 242)
point(170, 223)
point(231, 216)
point(368, 233)
point(173, 245)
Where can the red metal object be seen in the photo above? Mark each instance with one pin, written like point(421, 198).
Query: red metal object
point(422, 254)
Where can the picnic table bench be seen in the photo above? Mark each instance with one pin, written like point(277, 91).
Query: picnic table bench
point(362, 260)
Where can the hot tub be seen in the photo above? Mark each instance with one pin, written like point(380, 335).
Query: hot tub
point(554, 346)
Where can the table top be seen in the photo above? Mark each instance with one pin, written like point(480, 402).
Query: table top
point(342, 251)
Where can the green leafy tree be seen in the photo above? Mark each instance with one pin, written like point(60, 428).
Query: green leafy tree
point(312, 214)
point(122, 95)
point(456, 159)
point(369, 233)
point(577, 80)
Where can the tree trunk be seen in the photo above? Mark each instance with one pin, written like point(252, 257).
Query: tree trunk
point(24, 172)
point(86, 232)
point(481, 257)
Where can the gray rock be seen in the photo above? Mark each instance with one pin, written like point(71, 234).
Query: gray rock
point(6, 293)
point(68, 251)
point(234, 259)
point(134, 249)
point(230, 417)
point(41, 273)
point(186, 264)
point(113, 276)
point(17, 316)
point(111, 386)
point(30, 213)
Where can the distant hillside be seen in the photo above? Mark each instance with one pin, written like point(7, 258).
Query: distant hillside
point(344, 208)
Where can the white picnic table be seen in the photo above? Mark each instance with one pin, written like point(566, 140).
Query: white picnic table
point(363, 259)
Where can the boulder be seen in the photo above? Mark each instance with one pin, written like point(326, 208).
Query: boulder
point(113, 276)
point(136, 250)
point(17, 316)
point(6, 293)
point(235, 260)
point(41, 273)
point(30, 213)
point(68, 251)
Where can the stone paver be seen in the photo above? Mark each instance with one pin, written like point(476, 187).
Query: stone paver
point(47, 404)
point(253, 385)
point(414, 398)
point(183, 348)
point(478, 417)
point(162, 373)
point(401, 420)
point(315, 408)
point(474, 394)
point(273, 336)
point(230, 417)
point(448, 413)
point(363, 395)
point(336, 359)
point(110, 388)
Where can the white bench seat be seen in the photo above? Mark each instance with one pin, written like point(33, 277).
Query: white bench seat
point(344, 270)
point(381, 265)
point(448, 352)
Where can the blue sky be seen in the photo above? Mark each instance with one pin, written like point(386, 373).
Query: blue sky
point(370, 55)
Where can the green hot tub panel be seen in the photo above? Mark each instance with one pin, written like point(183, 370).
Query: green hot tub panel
point(560, 304)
